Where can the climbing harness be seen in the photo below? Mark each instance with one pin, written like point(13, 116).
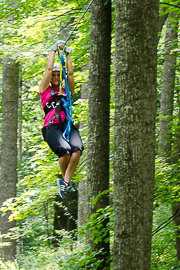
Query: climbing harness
point(61, 100)
point(55, 104)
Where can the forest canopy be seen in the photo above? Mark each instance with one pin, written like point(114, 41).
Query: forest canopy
point(28, 30)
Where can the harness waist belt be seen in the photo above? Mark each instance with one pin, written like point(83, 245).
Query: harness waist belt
point(53, 104)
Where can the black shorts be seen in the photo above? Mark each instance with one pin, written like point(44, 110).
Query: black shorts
point(53, 137)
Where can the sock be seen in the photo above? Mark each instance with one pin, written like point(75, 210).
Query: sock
point(65, 183)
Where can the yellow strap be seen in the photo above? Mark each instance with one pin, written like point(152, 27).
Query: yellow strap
point(60, 89)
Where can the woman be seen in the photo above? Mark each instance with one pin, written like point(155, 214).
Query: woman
point(68, 152)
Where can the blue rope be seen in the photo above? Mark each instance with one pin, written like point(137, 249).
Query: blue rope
point(67, 104)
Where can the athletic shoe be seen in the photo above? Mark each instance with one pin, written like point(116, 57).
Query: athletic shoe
point(70, 188)
point(62, 188)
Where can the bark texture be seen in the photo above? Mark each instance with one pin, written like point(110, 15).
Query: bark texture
point(167, 92)
point(169, 71)
point(82, 210)
point(98, 114)
point(166, 111)
point(134, 137)
point(9, 147)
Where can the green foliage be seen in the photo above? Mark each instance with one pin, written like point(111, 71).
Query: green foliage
point(81, 257)
point(9, 265)
point(36, 26)
point(84, 258)
point(169, 7)
point(95, 225)
point(167, 183)
point(163, 242)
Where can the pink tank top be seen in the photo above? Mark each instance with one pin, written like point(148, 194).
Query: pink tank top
point(47, 97)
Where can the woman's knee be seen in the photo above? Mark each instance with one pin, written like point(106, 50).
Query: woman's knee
point(65, 158)
point(76, 154)
point(63, 151)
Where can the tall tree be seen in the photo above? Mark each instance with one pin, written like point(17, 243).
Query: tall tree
point(167, 91)
point(82, 210)
point(166, 109)
point(9, 147)
point(136, 35)
point(162, 20)
point(98, 114)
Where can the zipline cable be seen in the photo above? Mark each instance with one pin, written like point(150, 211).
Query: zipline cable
point(45, 51)
point(165, 223)
point(65, 41)
point(78, 22)
point(67, 104)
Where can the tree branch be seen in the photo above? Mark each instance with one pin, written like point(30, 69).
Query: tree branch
point(163, 3)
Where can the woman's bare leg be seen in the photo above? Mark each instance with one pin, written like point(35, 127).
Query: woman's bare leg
point(68, 165)
point(63, 163)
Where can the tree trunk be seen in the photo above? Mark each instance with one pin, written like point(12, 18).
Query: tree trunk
point(9, 147)
point(134, 137)
point(82, 210)
point(98, 115)
point(167, 92)
point(166, 110)
point(162, 20)
point(20, 147)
